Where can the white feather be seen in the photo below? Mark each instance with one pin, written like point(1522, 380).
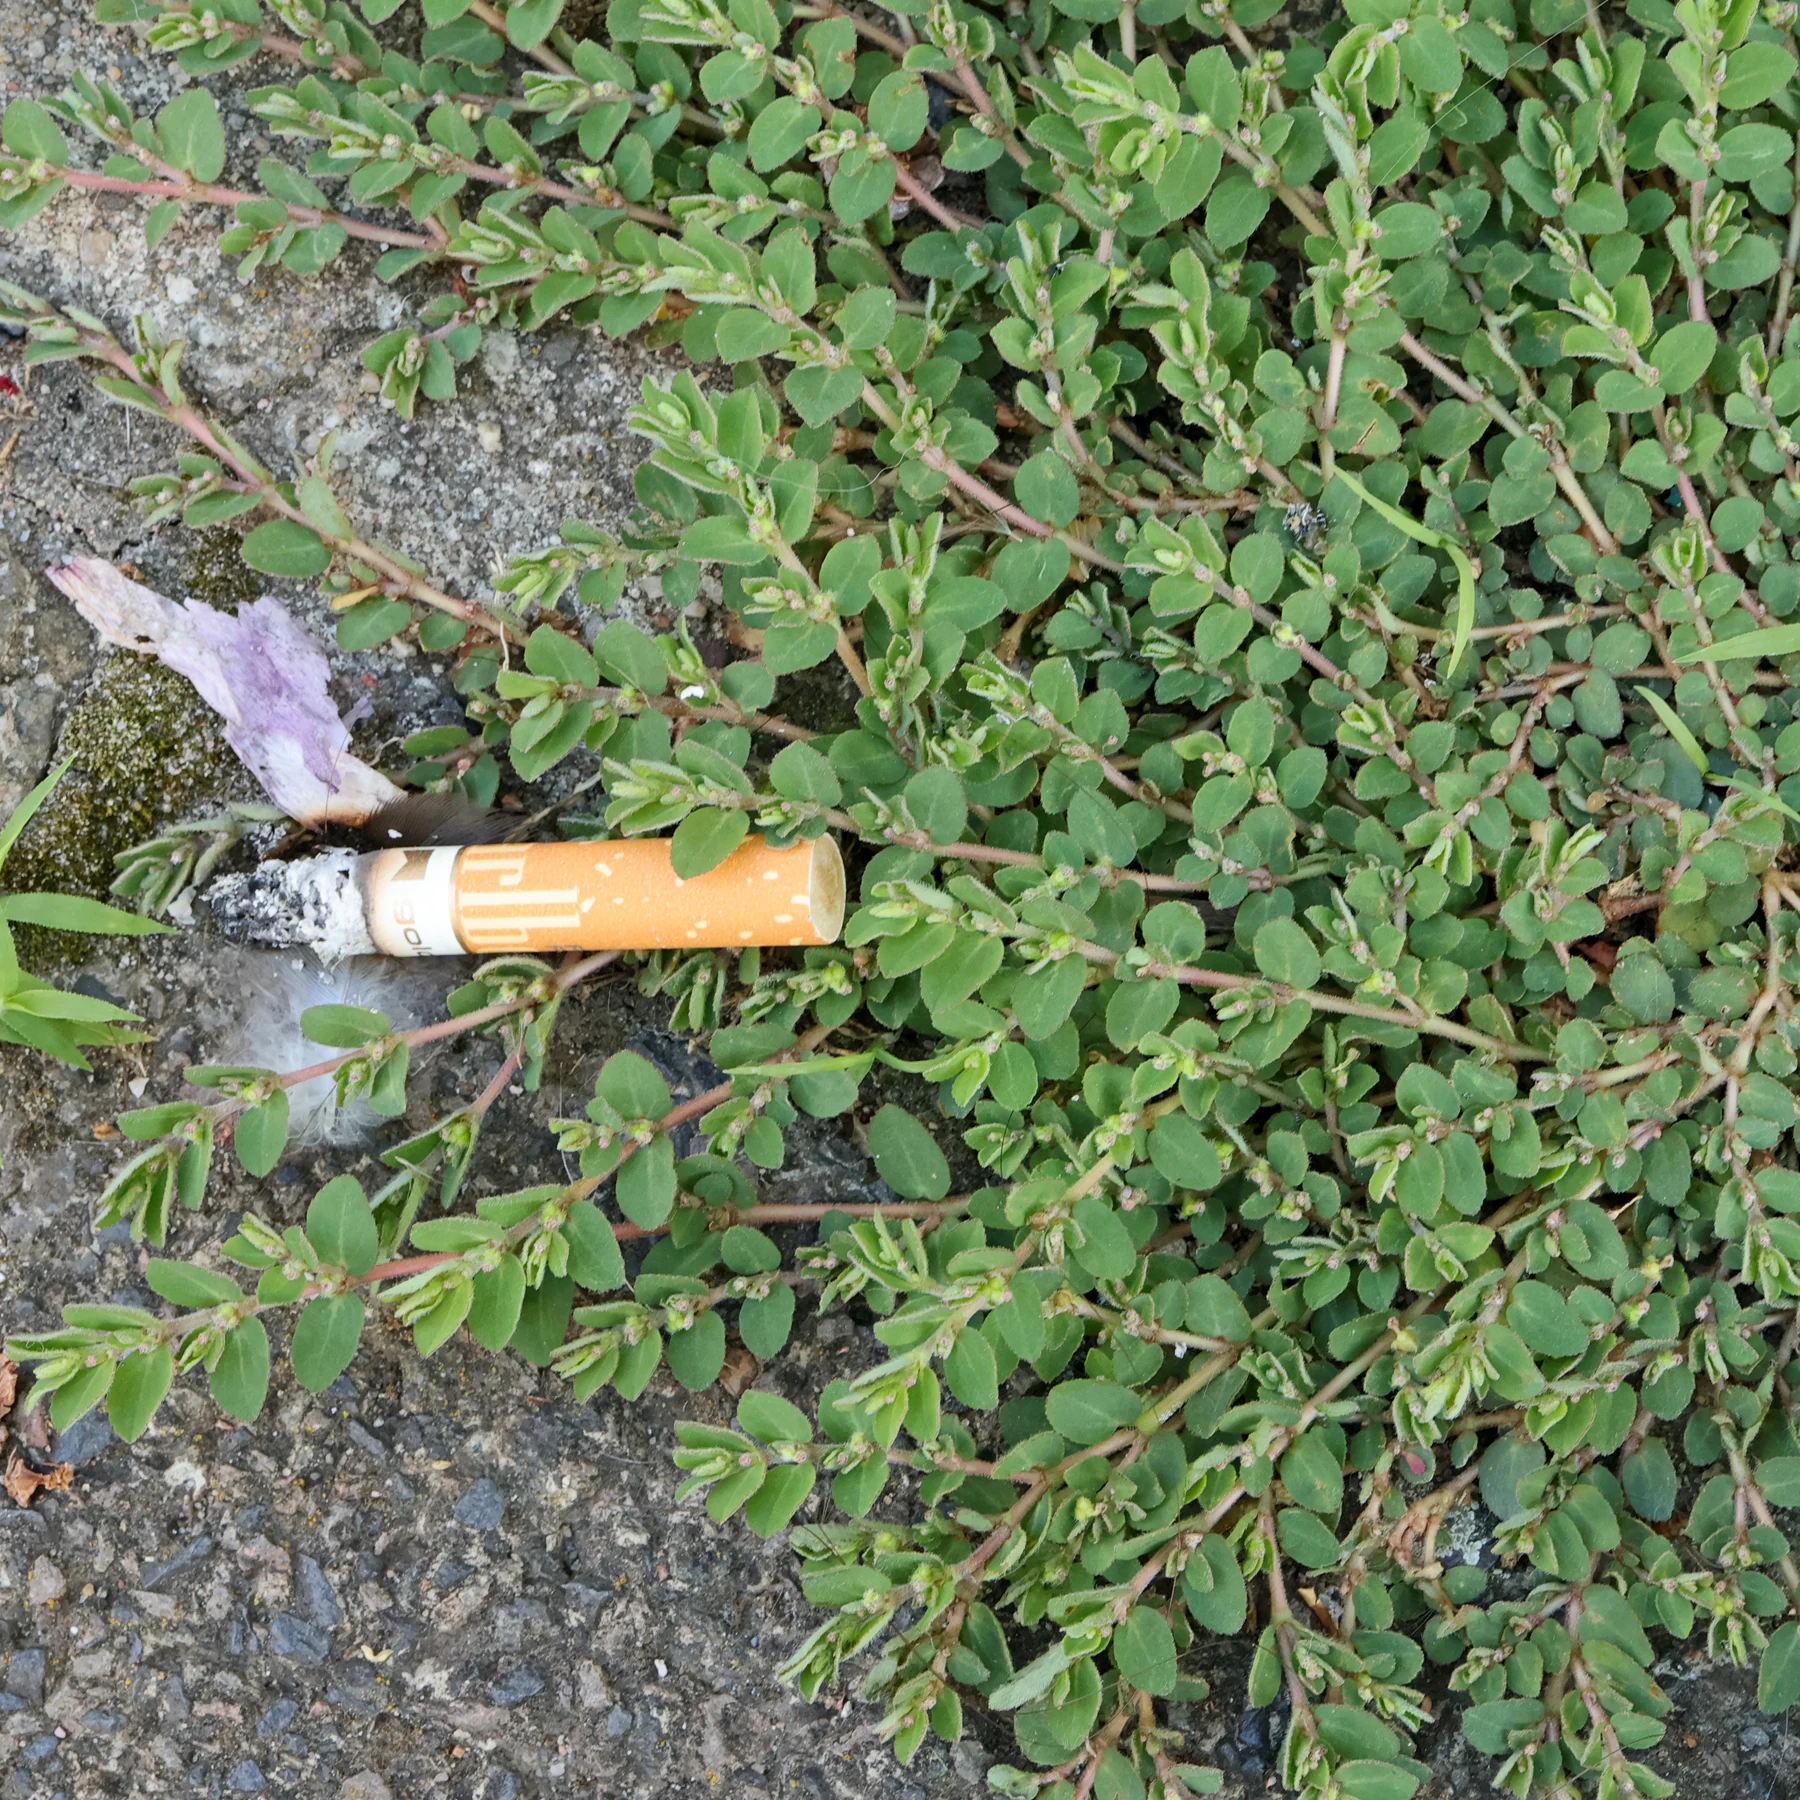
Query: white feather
point(264, 1030)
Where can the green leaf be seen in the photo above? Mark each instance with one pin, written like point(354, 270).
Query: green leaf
point(30, 132)
point(1306, 1538)
point(1754, 73)
point(494, 1307)
point(1771, 641)
point(772, 1420)
point(697, 1354)
point(633, 1087)
point(71, 912)
point(344, 1027)
point(325, 1339)
point(1779, 1479)
point(646, 1185)
point(1363, 1779)
point(705, 838)
point(283, 546)
point(1690, 745)
point(371, 622)
point(1286, 954)
point(594, 1259)
point(260, 1134)
point(1106, 1250)
point(1047, 489)
point(437, 1327)
point(745, 333)
point(1541, 1316)
point(137, 1391)
point(192, 137)
point(22, 814)
point(240, 1378)
point(970, 1371)
point(1746, 151)
point(340, 1227)
point(1144, 1651)
point(1237, 206)
point(906, 1156)
point(81, 1393)
point(799, 772)
point(1683, 353)
point(765, 1325)
point(1213, 1587)
point(544, 1319)
point(861, 187)
point(529, 22)
point(1214, 1309)
point(1043, 999)
point(867, 317)
point(1421, 534)
point(1086, 1412)
point(1490, 1727)
point(899, 109)
point(1778, 1678)
point(1642, 986)
point(748, 1251)
point(1312, 1475)
point(186, 1285)
point(1184, 1154)
point(782, 1494)
point(779, 132)
point(818, 394)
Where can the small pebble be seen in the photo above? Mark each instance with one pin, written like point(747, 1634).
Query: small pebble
point(292, 1636)
point(487, 433)
point(481, 1508)
point(518, 1686)
point(25, 1675)
point(46, 1583)
point(278, 1718)
point(315, 1594)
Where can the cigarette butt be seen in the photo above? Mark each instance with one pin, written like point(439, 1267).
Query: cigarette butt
point(622, 894)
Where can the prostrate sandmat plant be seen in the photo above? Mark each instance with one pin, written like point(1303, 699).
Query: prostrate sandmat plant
point(1308, 532)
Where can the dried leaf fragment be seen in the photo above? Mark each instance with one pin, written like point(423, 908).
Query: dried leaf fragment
point(25, 1483)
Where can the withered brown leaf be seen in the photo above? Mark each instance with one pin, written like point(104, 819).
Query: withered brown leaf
point(25, 1483)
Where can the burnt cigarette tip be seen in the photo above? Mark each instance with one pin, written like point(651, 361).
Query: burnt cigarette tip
point(316, 904)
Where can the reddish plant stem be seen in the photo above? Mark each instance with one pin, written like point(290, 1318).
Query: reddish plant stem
point(579, 1190)
point(1025, 859)
point(178, 188)
point(977, 489)
point(803, 1212)
point(922, 197)
point(430, 1034)
point(541, 54)
point(394, 575)
point(1696, 282)
point(502, 1075)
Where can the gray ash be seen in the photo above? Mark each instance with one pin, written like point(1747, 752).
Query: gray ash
point(315, 904)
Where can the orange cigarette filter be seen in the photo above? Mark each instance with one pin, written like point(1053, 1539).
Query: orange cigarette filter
point(621, 894)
